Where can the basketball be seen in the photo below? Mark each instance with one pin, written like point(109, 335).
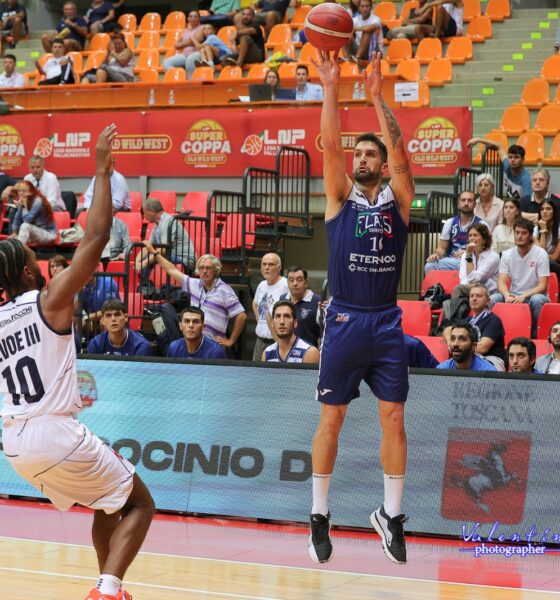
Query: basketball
point(328, 27)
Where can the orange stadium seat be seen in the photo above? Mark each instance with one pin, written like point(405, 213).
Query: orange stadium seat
point(168, 199)
point(472, 10)
point(399, 49)
point(550, 313)
point(349, 70)
point(423, 97)
point(408, 69)
point(280, 34)
point(498, 10)
point(77, 61)
point(170, 39)
point(536, 93)
point(535, 148)
point(448, 280)
point(494, 136)
point(387, 12)
point(436, 345)
point(480, 29)
point(548, 119)
point(439, 72)
point(203, 74)
point(308, 52)
point(515, 120)
point(100, 41)
point(416, 317)
point(129, 39)
point(175, 20)
point(257, 72)
point(516, 319)
point(149, 75)
point(94, 59)
point(299, 15)
point(385, 68)
point(287, 72)
point(128, 22)
point(428, 49)
point(406, 8)
point(553, 157)
point(148, 59)
point(551, 69)
point(149, 40)
point(227, 34)
point(175, 75)
point(460, 50)
point(230, 72)
point(287, 50)
point(150, 22)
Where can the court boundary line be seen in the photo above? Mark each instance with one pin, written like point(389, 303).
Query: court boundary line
point(313, 570)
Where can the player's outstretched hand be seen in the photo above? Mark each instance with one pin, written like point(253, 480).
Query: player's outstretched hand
point(103, 154)
point(374, 80)
point(328, 68)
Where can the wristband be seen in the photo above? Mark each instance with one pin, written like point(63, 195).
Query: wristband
point(469, 258)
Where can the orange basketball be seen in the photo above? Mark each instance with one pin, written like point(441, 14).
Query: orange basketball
point(43, 148)
point(253, 145)
point(328, 26)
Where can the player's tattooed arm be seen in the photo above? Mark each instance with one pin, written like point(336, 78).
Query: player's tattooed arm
point(395, 133)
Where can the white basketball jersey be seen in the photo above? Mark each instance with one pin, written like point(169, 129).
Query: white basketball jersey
point(37, 365)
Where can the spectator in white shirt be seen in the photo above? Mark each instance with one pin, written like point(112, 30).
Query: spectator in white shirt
point(304, 89)
point(489, 208)
point(59, 69)
point(10, 78)
point(502, 236)
point(368, 33)
point(46, 182)
point(479, 264)
point(119, 191)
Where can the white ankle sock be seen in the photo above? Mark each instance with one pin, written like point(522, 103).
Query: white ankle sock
point(321, 485)
point(109, 584)
point(394, 485)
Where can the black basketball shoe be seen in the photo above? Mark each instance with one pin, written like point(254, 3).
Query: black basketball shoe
point(392, 534)
point(320, 545)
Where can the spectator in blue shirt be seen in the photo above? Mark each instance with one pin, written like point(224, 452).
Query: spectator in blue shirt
point(72, 29)
point(462, 347)
point(419, 356)
point(304, 89)
point(117, 338)
point(97, 291)
point(13, 17)
point(522, 355)
point(194, 344)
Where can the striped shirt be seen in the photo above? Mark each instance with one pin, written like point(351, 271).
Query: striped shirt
point(219, 304)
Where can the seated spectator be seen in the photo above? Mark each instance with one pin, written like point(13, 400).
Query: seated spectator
point(72, 29)
point(119, 241)
point(306, 304)
point(408, 29)
point(489, 208)
point(11, 78)
point(194, 344)
point(517, 182)
point(453, 239)
point(447, 21)
point(186, 47)
point(479, 264)
point(502, 236)
point(181, 249)
point(271, 13)
point(368, 34)
point(354, 7)
point(211, 49)
point(288, 348)
point(120, 193)
point(540, 182)
point(273, 80)
point(419, 355)
point(490, 328)
point(14, 22)
point(249, 42)
point(59, 69)
point(524, 272)
point(550, 363)
point(46, 182)
point(522, 355)
point(547, 232)
point(57, 264)
point(222, 13)
point(462, 347)
point(100, 17)
point(304, 89)
point(218, 299)
point(33, 221)
point(117, 338)
point(117, 66)
point(98, 290)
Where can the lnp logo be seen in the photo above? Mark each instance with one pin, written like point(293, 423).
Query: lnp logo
point(73, 145)
point(254, 144)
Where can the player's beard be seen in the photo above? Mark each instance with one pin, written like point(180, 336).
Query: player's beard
point(366, 177)
point(284, 336)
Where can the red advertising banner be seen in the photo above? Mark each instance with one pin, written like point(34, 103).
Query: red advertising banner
point(221, 142)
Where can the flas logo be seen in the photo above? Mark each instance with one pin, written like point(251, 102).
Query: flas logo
point(436, 143)
point(271, 142)
point(87, 388)
point(72, 145)
point(11, 147)
point(207, 144)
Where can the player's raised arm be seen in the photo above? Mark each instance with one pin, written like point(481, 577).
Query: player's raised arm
point(337, 182)
point(402, 182)
point(57, 300)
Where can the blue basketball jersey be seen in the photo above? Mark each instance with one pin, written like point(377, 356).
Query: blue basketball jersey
point(295, 355)
point(366, 250)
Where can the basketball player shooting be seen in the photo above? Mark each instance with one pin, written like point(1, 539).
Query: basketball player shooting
point(43, 441)
point(367, 228)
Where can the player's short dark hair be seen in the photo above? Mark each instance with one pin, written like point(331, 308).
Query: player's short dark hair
point(192, 309)
point(12, 56)
point(296, 268)
point(371, 137)
point(58, 41)
point(114, 304)
point(523, 223)
point(517, 149)
point(302, 66)
point(524, 342)
point(287, 303)
point(12, 261)
point(473, 332)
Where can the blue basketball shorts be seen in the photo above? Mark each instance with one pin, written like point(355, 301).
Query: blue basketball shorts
point(362, 344)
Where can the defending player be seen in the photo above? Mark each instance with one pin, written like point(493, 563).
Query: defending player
point(42, 438)
point(367, 229)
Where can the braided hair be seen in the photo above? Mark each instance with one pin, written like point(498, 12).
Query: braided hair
point(12, 261)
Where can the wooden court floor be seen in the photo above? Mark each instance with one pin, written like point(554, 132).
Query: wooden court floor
point(45, 555)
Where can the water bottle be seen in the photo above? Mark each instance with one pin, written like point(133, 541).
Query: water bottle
point(356, 92)
point(152, 98)
point(171, 100)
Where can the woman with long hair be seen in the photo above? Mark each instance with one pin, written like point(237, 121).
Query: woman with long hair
point(546, 233)
point(488, 206)
point(273, 80)
point(34, 221)
point(502, 236)
point(479, 264)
